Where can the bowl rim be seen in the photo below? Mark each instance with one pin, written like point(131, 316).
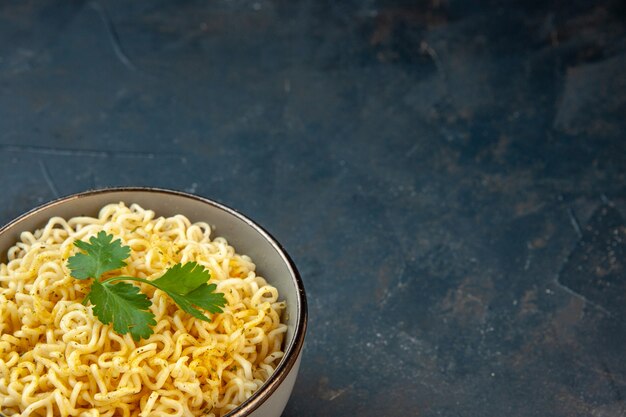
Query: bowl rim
point(292, 351)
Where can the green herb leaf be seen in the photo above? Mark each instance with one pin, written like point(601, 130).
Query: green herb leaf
point(103, 254)
point(123, 305)
point(187, 284)
point(205, 297)
point(183, 278)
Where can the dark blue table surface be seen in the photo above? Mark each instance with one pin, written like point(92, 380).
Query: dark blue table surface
point(448, 175)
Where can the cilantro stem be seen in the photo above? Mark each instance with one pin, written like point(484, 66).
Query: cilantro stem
point(145, 281)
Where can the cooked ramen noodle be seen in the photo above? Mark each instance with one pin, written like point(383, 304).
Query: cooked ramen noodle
point(57, 359)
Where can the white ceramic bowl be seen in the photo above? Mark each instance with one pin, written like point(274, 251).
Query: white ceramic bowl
point(242, 233)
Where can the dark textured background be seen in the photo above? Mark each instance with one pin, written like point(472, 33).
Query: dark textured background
point(448, 175)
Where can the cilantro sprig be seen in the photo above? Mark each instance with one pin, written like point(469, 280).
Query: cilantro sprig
point(122, 303)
